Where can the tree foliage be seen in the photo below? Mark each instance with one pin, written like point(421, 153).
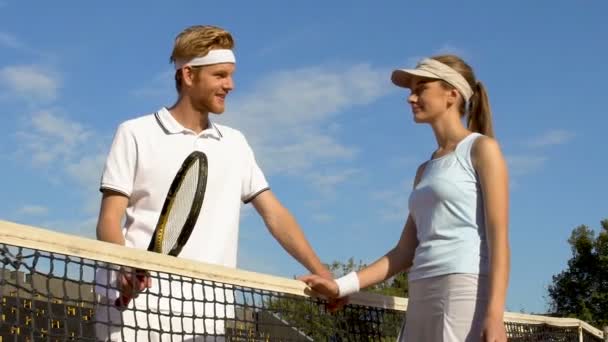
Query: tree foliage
point(581, 290)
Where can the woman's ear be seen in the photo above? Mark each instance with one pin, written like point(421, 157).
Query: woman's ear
point(452, 97)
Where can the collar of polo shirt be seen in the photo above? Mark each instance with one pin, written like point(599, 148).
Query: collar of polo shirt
point(173, 127)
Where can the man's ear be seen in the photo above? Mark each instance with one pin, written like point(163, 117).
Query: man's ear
point(188, 75)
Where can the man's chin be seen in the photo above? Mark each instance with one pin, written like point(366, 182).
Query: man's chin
point(217, 111)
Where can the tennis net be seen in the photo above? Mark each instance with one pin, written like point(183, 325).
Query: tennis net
point(58, 287)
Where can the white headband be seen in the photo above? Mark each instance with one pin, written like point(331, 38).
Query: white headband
point(213, 57)
point(430, 68)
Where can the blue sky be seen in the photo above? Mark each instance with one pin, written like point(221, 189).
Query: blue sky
point(313, 96)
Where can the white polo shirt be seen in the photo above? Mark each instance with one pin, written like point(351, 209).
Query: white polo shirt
point(144, 158)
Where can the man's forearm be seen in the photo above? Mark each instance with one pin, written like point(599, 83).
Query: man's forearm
point(289, 234)
point(110, 232)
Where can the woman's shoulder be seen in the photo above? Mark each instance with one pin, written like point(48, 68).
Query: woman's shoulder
point(485, 149)
point(419, 172)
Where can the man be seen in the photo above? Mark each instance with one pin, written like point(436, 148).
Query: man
point(145, 155)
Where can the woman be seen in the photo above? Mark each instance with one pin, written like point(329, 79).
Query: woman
point(455, 240)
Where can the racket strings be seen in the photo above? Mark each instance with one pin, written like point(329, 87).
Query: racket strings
point(180, 209)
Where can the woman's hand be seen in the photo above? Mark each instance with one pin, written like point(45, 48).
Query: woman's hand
point(493, 330)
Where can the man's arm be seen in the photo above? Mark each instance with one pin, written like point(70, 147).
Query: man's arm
point(113, 207)
point(283, 226)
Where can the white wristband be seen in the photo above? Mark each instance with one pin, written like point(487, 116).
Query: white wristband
point(347, 284)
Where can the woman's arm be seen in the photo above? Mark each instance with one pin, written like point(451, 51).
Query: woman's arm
point(398, 259)
point(492, 170)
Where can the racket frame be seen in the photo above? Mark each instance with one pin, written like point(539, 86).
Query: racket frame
point(122, 302)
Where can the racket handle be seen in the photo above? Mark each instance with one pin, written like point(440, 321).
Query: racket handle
point(122, 302)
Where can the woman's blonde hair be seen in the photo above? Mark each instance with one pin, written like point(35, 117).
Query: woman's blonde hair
point(478, 113)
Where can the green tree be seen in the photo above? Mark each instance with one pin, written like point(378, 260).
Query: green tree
point(581, 290)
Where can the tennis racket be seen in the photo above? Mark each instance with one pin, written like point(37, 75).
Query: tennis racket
point(178, 215)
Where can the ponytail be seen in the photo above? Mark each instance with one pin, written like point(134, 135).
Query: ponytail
point(479, 117)
point(478, 114)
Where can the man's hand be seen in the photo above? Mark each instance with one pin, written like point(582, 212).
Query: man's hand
point(321, 285)
point(326, 287)
point(131, 282)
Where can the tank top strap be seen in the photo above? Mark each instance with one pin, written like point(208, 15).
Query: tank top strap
point(463, 152)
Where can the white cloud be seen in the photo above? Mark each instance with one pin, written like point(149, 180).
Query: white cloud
point(87, 169)
point(551, 138)
point(33, 210)
point(30, 82)
point(288, 116)
point(300, 154)
point(306, 95)
point(521, 164)
point(54, 126)
point(524, 164)
point(49, 137)
point(291, 118)
point(327, 182)
point(68, 152)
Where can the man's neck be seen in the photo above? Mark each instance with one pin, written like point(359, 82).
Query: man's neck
point(189, 117)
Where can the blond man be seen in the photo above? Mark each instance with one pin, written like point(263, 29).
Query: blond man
point(144, 157)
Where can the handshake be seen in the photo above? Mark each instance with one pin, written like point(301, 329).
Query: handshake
point(336, 290)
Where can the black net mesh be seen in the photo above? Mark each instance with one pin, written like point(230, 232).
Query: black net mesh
point(50, 296)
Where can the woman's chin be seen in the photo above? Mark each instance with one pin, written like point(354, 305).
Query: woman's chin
point(419, 119)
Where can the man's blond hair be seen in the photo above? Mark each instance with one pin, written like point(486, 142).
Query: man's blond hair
point(197, 41)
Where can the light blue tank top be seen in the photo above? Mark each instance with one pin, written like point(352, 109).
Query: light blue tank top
point(447, 207)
